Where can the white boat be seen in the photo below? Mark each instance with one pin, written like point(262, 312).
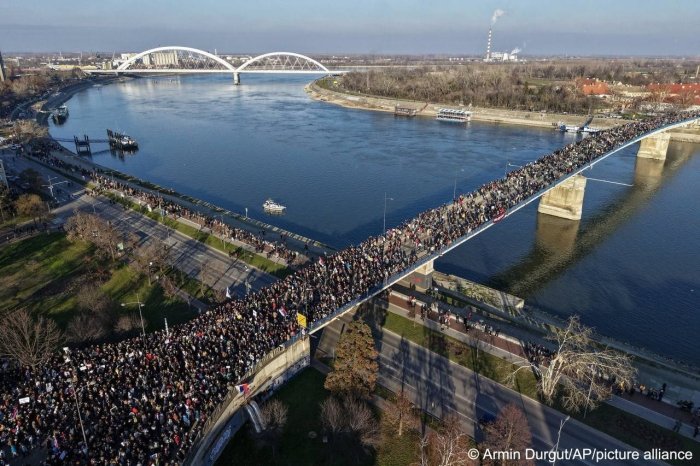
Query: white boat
point(273, 207)
point(453, 115)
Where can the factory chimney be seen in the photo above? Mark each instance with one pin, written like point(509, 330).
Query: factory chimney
point(2, 70)
point(488, 47)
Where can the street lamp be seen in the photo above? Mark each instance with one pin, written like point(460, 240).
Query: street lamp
point(454, 191)
point(140, 304)
point(386, 199)
point(73, 379)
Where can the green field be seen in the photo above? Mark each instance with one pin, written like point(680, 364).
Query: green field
point(43, 274)
point(303, 396)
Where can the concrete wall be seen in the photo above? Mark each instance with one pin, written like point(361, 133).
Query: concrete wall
point(654, 147)
point(271, 373)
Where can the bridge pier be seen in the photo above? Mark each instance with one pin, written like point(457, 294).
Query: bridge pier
point(422, 278)
point(565, 200)
point(654, 147)
point(236, 78)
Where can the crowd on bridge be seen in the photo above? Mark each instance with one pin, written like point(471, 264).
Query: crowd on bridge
point(145, 399)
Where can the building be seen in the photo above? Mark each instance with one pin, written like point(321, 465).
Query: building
point(593, 87)
point(684, 94)
point(161, 59)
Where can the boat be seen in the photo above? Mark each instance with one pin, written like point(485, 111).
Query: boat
point(60, 114)
point(273, 207)
point(453, 115)
point(121, 140)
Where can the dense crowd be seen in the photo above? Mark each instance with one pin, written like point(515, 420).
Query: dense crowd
point(145, 399)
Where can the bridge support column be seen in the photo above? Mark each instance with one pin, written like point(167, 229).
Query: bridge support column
point(654, 147)
point(236, 78)
point(422, 278)
point(565, 200)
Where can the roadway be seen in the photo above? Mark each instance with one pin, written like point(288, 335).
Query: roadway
point(441, 388)
point(193, 258)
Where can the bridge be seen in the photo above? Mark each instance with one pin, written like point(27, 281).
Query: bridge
point(188, 60)
point(563, 199)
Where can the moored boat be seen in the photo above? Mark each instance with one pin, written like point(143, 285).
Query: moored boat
point(273, 207)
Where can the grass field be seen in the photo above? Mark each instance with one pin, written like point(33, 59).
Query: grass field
point(303, 396)
point(615, 422)
point(43, 273)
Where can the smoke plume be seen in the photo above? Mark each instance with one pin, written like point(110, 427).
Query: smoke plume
point(497, 13)
point(515, 50)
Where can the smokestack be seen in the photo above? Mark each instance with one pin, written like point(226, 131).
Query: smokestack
point(488, 47)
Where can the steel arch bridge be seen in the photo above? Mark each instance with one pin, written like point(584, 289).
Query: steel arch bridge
point(178, 59)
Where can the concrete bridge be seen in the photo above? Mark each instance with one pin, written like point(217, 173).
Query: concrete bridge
point(176, 59)
point(563, 199)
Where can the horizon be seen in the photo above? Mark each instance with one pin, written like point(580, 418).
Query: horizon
point(650, 29)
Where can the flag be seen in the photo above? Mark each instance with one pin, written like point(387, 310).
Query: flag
point(301, 320)
point(228, 293)
point(501, 215)
point(283, 311)
point(243, 388)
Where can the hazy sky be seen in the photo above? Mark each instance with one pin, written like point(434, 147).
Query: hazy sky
point(584, 27)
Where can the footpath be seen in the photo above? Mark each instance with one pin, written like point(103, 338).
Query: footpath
point(506, 342)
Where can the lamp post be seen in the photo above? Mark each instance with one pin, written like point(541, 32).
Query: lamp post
point(454, 191)
point(386, 199)
point(140, 305)
point(73, 379)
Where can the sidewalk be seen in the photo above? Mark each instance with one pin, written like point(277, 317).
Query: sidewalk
point(509, 348)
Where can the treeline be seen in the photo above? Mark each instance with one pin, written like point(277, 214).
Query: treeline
point(523, 86)
point(21, 88)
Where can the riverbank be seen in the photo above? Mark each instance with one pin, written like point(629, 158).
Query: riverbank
point(64, 95)
point(429, 109)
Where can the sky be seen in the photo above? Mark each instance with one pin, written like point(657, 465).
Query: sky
point(452, 27)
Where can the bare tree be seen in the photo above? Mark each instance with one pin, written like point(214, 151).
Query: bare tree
point(150, 258)
point(582, 370)
point(26, 131)
point(85, 327)
point(509, 432)
point(350, 424)
point(447, 447)
point(91, 228)
point(128, 323)
point(400, 414)
point(28, 340)
point(274, 418)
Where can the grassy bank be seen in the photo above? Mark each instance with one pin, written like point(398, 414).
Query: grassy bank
point(45, 273)
point(615, 422)
point(303, 396)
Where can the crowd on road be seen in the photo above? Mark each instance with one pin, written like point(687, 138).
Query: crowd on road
point(145, 399)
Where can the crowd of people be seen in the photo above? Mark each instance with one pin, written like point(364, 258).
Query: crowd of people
point(144, 400)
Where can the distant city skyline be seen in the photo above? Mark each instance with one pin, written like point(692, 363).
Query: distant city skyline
point(595, 27)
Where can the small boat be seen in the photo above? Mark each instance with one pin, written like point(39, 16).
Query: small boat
point(273, 207)
point(60, 114)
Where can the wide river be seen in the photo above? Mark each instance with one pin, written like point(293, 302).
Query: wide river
point(630, 267)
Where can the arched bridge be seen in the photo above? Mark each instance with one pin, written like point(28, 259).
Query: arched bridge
point(178, 59)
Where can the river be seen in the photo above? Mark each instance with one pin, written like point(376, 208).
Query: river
point(629, 267)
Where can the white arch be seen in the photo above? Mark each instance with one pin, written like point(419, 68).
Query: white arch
point(289, 54)
point(124, 66)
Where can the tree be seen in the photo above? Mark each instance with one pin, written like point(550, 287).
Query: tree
point(4, 200)
point(447, 447)
point(509, 432)
point(128, 323)
point(274, 417)
point(400, 413)
point(91, 228)
point(350, 424)
point(30, 205)
point(355, 369)
point(32, 178)
point(29, 341)
point(582, 370)
point(28, 130)
point(85, 327)
point(150, 258)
